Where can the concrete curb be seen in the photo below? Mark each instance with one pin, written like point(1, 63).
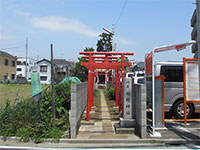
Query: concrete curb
point(108, 142)
point(125, 141)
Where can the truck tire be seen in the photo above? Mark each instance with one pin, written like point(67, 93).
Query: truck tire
point(178, 109)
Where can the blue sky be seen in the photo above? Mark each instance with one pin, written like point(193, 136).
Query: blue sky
point(72, 25)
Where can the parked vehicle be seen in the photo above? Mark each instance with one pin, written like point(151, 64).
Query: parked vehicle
point(139, 80)
point(173, 89)
point(137, 76)
point(129, 75)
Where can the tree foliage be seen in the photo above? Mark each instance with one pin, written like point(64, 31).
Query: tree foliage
point(80, 71)
point(88, 49)
point(104, 44)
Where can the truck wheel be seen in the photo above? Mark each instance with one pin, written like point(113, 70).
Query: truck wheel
point(178, 110)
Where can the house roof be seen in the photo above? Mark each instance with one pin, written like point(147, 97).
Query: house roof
point(72, 63)
point(141, 64)
point(61, 62)
point(43, 60)
point(6, 54)
point(27, 58)
point(138, 65)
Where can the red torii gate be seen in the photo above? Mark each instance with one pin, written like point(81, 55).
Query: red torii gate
point(104, 73)
point(107, 61)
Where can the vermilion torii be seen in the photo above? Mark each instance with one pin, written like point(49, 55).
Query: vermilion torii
point(105, 60)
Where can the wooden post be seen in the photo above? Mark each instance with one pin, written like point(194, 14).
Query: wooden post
point(52, 84)
point(17, 95)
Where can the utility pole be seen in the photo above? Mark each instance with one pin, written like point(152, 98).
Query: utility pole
point(198, 32)
point(113, 45)
point(113, 33)
point(26, 58)
point(52, 84)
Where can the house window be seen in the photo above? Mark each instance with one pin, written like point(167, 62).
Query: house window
point(43, 68)
point(24, 63)
point(19, 63)
point(43, 78)
point(13, 76)
point(19, 69)
point(5, 77)
point(6, 62)
point(13, 63)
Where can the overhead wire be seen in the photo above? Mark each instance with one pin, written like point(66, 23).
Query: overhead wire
point(16, 47)
point(118, 19)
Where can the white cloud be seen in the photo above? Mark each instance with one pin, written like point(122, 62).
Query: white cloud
point(125, 41)
point(56, 23)
point(14, 7)
point(22, 13)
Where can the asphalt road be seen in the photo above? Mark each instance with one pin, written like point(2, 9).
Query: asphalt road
point(180, 147)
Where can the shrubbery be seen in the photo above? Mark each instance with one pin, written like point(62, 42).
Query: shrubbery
point(111, 93)
point(24, 120)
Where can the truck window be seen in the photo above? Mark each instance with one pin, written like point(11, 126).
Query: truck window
point(140, 74)
point(172, 73)
point(130, 75)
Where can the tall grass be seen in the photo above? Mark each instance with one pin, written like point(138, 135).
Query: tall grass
point(25, 120)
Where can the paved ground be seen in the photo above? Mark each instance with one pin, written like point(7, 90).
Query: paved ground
point(104, 116)
point(178, 130)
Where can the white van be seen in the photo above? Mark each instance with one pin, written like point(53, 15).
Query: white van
point(173, 88)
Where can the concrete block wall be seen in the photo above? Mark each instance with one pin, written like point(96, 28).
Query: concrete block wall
point(78, 104)
point(139, 109)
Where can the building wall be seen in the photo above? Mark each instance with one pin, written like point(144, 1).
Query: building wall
point(45, 74)
point(9, 69)
point(31, 64)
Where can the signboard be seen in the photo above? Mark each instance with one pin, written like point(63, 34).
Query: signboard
point(191, 83)
point(35, 82)
point(192, 80)
point(127, 98)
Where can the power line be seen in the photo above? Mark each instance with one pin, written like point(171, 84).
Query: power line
point(16, 47)
point(121, 13)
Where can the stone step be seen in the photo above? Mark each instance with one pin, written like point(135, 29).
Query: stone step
point(100, 119)
point(84, 122)
point(104, 131)
point(127, 123)
point(120, 130)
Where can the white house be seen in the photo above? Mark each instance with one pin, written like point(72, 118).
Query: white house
point(21, 67)
point(44, 68)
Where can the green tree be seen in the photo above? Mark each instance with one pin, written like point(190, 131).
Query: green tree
point(104, 44)
point(80, 71)
point(88, 49)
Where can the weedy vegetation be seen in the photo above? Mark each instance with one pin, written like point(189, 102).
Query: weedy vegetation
point(26, 121)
